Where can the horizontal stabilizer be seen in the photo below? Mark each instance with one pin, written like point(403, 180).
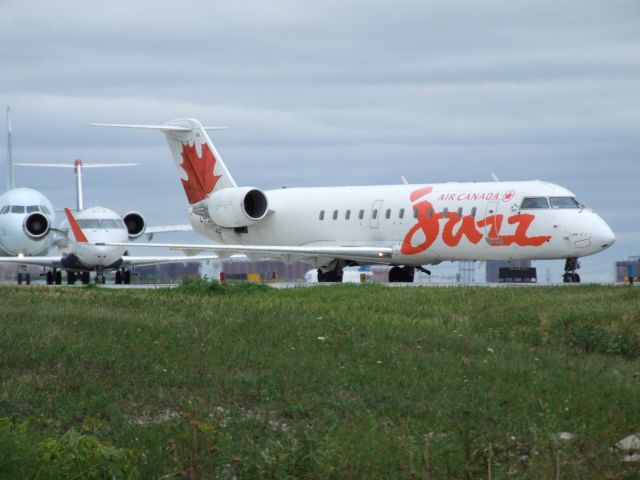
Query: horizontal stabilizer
point(162, 128)
point(71, 165)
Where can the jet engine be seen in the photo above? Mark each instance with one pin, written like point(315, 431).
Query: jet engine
point(135, 224)
point(237, 207)
point(36, 225)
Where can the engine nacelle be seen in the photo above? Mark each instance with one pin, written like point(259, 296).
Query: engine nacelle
point(135, 224)
point(36, 225)
point(237, 207)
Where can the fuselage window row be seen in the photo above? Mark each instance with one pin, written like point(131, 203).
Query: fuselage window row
point(430, 213)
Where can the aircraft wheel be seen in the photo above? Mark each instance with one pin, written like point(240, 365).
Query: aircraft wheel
point(127, 277)
point(576, 278)
point(118, 277)
point(58, 277)
point(395, 274)
point(567, 278)
point(49, 278)
point(84, 277)
point(334, 276)
point(27, 278)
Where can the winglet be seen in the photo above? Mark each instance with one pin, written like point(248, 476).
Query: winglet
point(75, 228)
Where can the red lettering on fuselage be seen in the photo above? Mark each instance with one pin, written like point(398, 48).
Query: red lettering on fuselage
point(428, 223)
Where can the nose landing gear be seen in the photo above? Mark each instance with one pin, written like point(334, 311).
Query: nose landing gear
point(570, 275)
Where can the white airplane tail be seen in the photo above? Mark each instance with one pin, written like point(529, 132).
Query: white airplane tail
point(202, 170)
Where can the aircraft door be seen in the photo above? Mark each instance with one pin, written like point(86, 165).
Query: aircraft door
point(374, 216)
point(492, 224)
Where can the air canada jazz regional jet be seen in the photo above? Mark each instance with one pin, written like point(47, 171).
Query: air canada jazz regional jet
point(406, 226)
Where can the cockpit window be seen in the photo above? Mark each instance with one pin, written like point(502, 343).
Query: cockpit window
point(44, 209)
point(17, 208)
point(120, 223)
point(5, 209)
point(108, 223)
point(564, 202)
point(32, 208)
point(534, 202)
point(89, 223)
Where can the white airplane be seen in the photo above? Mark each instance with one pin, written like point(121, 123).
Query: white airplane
point(406, 226)
point(26, 218)
point(98, 225)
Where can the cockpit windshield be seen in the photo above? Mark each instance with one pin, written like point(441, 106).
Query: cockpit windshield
point(534, 202)
point(23, 209)
point(564, 202)
point(100, 223)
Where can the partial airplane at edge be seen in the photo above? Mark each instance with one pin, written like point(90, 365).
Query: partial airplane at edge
point(405, 226)
point(26, 218)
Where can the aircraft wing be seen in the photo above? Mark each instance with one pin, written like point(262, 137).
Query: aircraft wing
point(151, 231)
point(131, 261)
point(350, 253)
point(51, 262)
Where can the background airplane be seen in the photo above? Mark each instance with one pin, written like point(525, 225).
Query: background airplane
point(26, 218)
point(406, 226)
point(98, 225)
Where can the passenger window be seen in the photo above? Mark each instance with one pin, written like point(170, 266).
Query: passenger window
point(445, 212)
point(401, 213)
point(32, 208)
point(430, 213)
point(321, 217)
point(474, 210)
point(387, 214)
point(534, 202)
point(415, 213)
point(374, 213)
point(17, 209)
point(460, 212)
point(564, 202)
point(347, 214)
point(335, 214)
point(361, 214)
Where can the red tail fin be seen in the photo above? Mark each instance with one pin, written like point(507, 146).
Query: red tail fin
point(75, 228)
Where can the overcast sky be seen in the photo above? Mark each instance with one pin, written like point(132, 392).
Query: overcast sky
point(332, 93)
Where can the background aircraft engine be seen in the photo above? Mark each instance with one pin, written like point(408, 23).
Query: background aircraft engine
point(36, 226)
point(135, 224)
point(237, 207)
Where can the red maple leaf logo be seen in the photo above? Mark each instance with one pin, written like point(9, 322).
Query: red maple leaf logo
point(508, 195)
point(200, 178)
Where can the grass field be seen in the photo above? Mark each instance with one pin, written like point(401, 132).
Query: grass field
point(347, 381)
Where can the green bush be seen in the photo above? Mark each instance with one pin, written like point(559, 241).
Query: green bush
point(72, 455)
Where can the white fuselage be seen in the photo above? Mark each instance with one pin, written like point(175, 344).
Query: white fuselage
point(452, 221)
point(100, 225)
point(15, 206)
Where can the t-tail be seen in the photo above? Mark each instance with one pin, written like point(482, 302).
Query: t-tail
point(202, 170)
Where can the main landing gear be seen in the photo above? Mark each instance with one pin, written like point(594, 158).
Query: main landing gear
point(23, 277)
point(570, 266)
point(405, 273)
point(123, 276)
point(54, 277)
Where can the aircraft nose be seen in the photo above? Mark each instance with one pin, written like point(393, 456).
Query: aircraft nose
point(603, 235)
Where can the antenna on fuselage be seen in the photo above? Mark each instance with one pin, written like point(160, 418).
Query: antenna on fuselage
point(10, 182)
point(77, 168)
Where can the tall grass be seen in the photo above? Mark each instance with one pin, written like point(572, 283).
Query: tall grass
point(349, 381)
